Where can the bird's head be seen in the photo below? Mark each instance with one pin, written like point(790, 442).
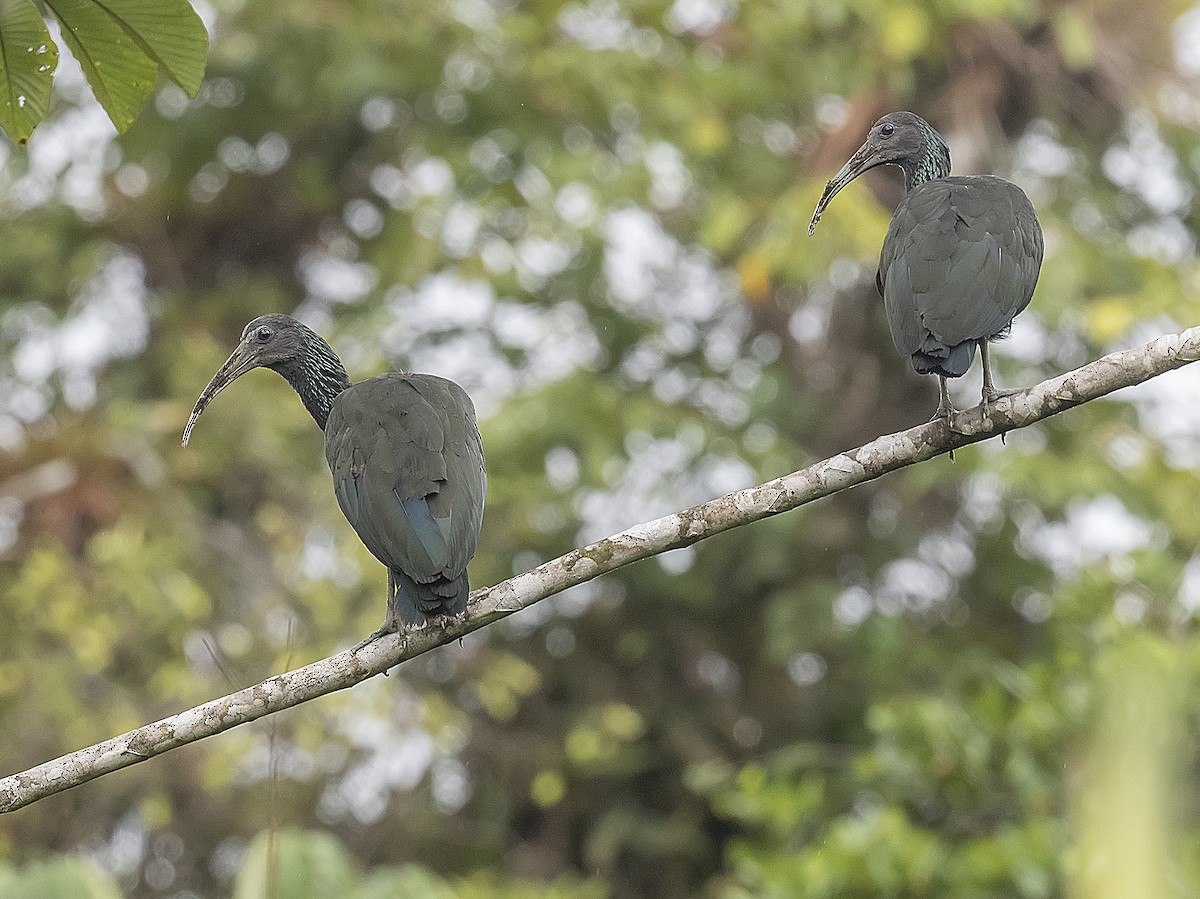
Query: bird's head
point(899, 138)
point(270, 341)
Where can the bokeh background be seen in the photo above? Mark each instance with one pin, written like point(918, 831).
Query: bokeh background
point(968, 679)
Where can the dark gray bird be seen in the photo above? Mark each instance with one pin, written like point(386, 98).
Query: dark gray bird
point(961, 257)
point(406, 458)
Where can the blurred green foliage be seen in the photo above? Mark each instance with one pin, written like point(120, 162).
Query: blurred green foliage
point(970, 679)
point(294, 864)
point(63, 878)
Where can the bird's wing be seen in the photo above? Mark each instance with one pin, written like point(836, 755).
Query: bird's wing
point(459, 504)
point(960, 260)
point(407, 468)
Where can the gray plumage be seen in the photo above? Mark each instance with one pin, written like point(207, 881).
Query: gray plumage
point(960, 260)
point(406, 459)
point(408, 473)
point(961, 257)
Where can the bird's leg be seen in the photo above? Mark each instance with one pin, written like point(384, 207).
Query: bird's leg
point(391, 623)
point(989, 389)
point(990, 393)
point(945, 410)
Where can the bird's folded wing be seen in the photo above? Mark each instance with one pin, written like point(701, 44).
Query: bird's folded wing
point(959, 261)
point(396, 446)
point(458, 506)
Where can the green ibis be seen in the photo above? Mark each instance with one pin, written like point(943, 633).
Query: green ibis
point(961, 257)
point(406, 458)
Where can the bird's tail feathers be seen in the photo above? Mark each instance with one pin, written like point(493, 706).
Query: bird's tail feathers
point(935, 358)
point(416, 602)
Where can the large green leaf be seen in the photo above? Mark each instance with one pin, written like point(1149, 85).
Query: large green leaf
point(27, 60)
point(170, 33)
point(121, 43)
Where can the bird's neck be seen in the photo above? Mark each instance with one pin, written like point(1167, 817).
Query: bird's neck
point(318, 376)
point(931, 165)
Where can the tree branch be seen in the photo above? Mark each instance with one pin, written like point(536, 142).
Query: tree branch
point(848, 469)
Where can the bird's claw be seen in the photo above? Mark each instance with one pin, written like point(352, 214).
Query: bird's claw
point(945, 413)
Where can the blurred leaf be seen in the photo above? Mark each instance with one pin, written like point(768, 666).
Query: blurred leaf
point(755, 278)
point(410, 880)
point(1132, 764)
point(1075, 38)
point(58, 878)
point(295, 864)
point(1111, 317)
point(548, 788)
point(906, 29)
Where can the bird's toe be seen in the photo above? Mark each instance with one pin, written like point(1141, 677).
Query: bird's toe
point(390, 626)
point(990, 396)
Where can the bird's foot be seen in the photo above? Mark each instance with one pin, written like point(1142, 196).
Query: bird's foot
point(390, 626)
point(369, 640)
point(990, 396)
point(945, 413)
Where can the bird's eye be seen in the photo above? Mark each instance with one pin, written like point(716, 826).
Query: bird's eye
point(887, 129)
point(263, 334)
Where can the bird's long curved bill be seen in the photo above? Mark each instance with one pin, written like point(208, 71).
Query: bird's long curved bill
point(864, 158)
point(235, 366)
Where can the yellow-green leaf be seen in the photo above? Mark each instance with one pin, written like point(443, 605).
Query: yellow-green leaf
point(27, 60)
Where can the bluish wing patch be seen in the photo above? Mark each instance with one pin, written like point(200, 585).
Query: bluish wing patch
point(429, 531)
